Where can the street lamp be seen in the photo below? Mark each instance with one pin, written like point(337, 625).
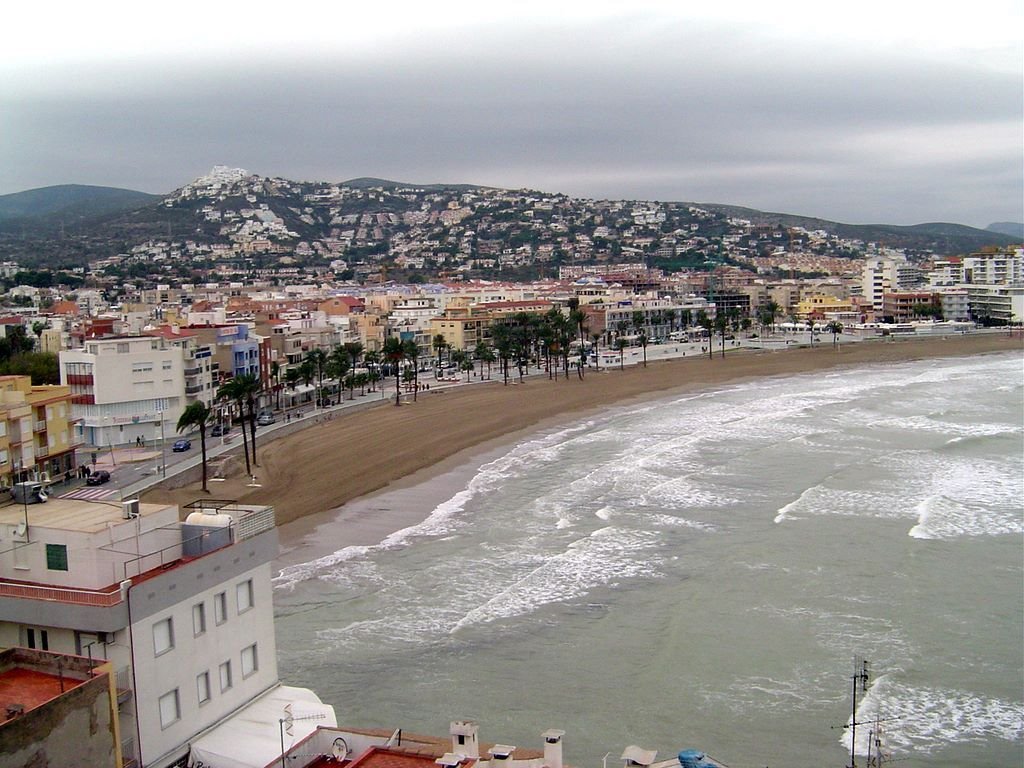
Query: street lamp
point(163, 447)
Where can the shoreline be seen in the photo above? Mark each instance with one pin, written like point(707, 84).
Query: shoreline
point(328, 479)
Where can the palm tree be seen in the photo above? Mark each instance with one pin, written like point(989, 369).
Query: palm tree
point(485, 355)
point(501, 338)
point(317, 359)
point(440, 345)
point(771, 311)
point(394, 353)
point(670, 318)
point(275, 376)
point(722, 326)
point(412, 352)
point(597, 350)
point(337, 367)
point(835, 328)
point(196, 415)
point(705, 322)
point(371, 359)
point(233, 390)
point(621, 344)
point(247, 389)
point(643, 345)
point(354, 349)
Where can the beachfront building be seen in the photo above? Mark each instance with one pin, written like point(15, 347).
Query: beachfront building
point(818, 307)
point(904, 306)
point(182, 611)
point(125, 388)
point(463, 327)
point(36, 436)
point(1000, 304)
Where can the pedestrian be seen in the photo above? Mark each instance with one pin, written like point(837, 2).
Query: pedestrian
point(67, 476)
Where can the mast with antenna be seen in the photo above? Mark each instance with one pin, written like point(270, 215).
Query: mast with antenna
point(860, 676)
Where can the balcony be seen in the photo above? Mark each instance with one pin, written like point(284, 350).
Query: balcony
point(39, 426)
point(90, 597)
point(194, 389)
point(193, 371)
point(80, 379)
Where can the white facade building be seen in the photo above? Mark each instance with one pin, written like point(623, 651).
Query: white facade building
point(183, 611)
point(125, 388)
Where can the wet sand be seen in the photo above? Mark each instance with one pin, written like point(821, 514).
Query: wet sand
point(320, 468)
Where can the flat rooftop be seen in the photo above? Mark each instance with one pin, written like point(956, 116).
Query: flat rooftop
point(29, 688)
point(73, 514)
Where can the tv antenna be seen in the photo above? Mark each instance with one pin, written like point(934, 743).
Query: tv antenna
point(859, 679)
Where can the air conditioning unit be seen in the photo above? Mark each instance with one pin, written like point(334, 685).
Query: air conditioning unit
point(130, 509)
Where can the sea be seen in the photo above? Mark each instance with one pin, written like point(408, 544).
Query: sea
point(701, 571)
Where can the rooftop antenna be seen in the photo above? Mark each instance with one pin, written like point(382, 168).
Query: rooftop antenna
point(859, 679)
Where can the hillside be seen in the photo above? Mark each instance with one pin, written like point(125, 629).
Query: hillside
point(939, 237)
point(69, 203)
point(418, 231)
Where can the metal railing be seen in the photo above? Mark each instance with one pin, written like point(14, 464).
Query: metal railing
point(40, 426)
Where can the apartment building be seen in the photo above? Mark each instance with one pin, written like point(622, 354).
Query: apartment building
point(124, 388)
point(36, 435)
point(181, 610)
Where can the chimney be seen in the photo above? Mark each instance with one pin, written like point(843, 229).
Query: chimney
point(553, 747)
point(464, 738)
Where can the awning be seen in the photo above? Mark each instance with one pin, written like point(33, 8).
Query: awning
point(251, 738)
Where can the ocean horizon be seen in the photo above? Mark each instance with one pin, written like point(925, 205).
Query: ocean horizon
point(700, 571)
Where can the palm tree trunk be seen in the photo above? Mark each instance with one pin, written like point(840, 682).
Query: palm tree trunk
point(202, 447)
point(252, 431)
point(245, 441)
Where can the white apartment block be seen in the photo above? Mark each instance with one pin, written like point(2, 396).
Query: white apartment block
point(182, 610)
point(124, 388)
point(1004, 268)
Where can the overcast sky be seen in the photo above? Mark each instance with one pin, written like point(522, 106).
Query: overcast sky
point(870, 112)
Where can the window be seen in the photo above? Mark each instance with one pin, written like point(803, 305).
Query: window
point(203, 687)
point(170, 711)
point(225, 676)
point(220, 607)
point(36, 638)
point(249, 661)
point(198, 618)
point(163, 636)
point(243, 592)
point(56, 557)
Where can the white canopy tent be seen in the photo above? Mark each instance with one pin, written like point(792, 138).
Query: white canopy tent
point(251, 738)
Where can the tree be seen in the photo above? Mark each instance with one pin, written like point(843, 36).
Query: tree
point(412, 352)
point(394, 353)
point(704, 321)
point(372, 360)
point(771, 311)
point(242, 391)
point(643, 345)
point(440, 345)
point(485, 355)
point(337, 366)
point(196, 415)
point(275, 376)
point(318, 360)
point(621, 344)
point(722, 327)
point(354, 349)
point(835, 328)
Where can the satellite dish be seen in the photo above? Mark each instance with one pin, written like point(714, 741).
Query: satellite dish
point(339, 749)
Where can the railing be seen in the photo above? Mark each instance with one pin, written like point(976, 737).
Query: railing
point(128, 754)
point(194, 390)
point(123, 682)
point(61, 594)
point(193, 371)
point(40, 426)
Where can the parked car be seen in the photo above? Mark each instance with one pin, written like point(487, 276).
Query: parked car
point(181, 445)
point(99, 477)
point(265, 419)
point(220, 429)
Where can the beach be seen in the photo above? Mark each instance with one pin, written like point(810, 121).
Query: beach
point(324, 466)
